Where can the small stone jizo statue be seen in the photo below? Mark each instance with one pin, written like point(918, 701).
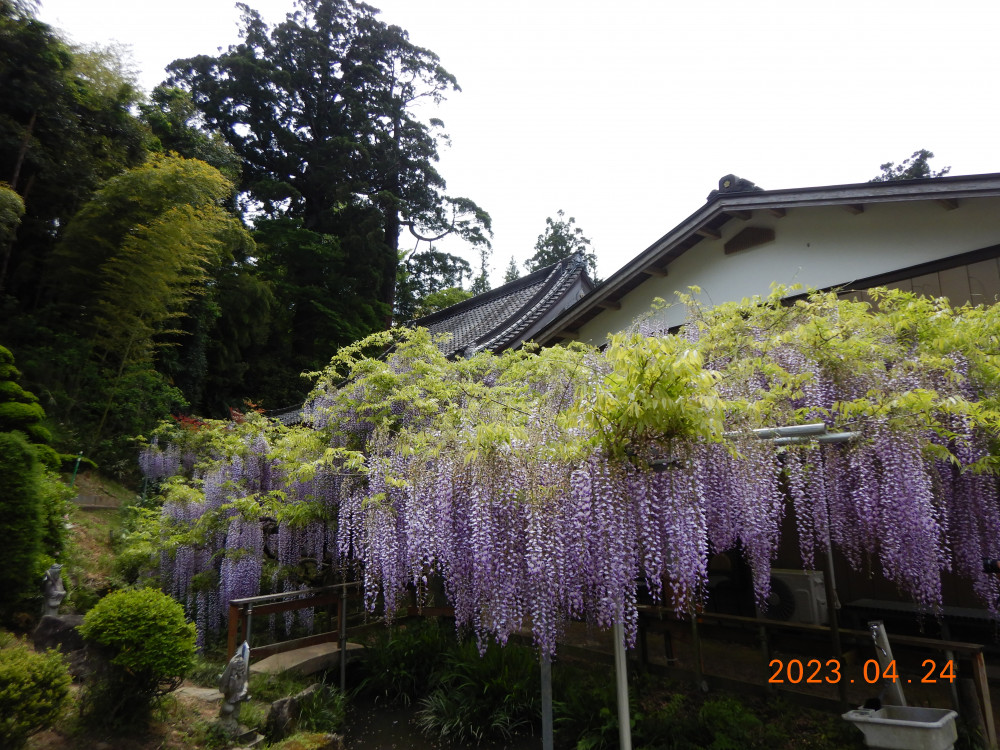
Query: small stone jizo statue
point(55, 590)
point(234, 684)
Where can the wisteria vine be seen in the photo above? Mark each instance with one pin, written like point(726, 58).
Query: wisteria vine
point(532, 489)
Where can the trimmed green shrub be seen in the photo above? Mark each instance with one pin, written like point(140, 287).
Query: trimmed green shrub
point(55, 496)
point(11, 391)
point(147, 648)
point(33, 690)
point(33, 506)
point(19, 416)
point(40, 434)
point(20, 524)
point(19, 409)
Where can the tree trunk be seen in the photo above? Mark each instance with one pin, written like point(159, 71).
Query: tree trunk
point(390, 210)
point(22, 152)
point(3, 266)
point(390, 260)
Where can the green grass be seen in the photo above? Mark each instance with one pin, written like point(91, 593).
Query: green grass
point(271, 687)
point(89, 558)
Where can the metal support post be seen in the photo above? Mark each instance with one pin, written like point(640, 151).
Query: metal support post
point(621, 674)
point(76, 468)
point(342, 617)
point(546, 665)
point(248, 618)
point(883, 652)
point(699, 676)
point(832, 614)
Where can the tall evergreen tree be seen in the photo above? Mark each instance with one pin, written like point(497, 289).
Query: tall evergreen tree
point(481, 283)
point(175, 123)
point(915, 167)
point(335, 133)
point(321, 286)
point(425, 276)
point(511, 274)
point(561, 239)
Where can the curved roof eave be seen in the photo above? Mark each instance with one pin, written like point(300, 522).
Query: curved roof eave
point(721, 207)
point(550, 282)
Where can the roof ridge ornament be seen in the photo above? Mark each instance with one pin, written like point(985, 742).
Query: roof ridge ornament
point(733, 184)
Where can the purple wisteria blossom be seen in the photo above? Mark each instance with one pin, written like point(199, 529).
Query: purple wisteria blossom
point(519, 535)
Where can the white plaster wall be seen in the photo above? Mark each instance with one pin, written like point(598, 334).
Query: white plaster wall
point(817, 247)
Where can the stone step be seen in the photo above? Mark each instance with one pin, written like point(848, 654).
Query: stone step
point(250, 739)
point(97, 502)
point(208, 695)
point(307, 660)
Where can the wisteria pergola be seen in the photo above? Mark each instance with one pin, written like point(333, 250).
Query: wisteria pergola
point(543, 487)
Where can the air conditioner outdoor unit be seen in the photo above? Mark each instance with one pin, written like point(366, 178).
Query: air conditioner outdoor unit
point(797, 596)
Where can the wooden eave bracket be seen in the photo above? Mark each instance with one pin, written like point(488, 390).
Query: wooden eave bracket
point(708, 232)
point(779, 213)
point(854, 208)
point(608, 304)
point(749, 237)
point(656, 271)
point(948, 204)
point(740, 214)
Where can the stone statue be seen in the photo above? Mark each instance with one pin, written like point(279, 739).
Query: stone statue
point(234, 684)
point(55, 591)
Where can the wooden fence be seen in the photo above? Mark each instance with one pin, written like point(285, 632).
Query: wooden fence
point(242, 612)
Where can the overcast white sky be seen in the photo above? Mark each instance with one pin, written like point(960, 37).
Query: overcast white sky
point(626, 114)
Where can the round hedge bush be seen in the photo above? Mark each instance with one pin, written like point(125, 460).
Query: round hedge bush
point(33, 690)
point(147, 648)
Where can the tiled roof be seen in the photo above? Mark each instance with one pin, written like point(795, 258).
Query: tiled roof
point(501, 317)
point(287, 416)
point(497, 319)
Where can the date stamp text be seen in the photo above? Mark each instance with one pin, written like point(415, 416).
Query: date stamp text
point(817, 672)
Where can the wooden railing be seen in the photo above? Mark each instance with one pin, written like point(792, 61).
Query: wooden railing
point(242, 612)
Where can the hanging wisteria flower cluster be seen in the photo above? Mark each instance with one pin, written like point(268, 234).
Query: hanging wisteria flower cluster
point(535, 488)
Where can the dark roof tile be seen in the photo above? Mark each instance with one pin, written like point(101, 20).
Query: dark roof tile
point(496, 319)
